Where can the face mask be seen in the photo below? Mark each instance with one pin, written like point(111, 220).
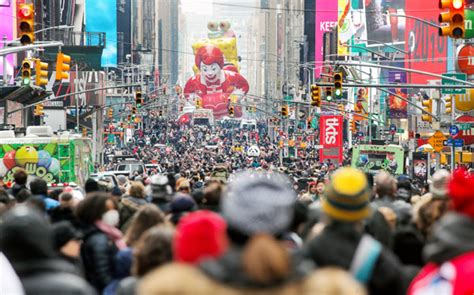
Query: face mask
point(111, 217)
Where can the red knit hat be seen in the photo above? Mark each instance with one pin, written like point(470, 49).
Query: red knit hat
point(460, 191)
point(199, 235)
point(208, 55)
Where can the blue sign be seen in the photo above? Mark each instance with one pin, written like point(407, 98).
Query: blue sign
point(360, 134)
point(453, 130)
point(456, 142)
point(393, 129)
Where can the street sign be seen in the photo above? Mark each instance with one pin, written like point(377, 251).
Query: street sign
point(360, 134)
point(400, 130)
point(437, 140)
point(460, 90)
point(393, 129)
point(454, 131)
point(7, 127)
point(458, 142)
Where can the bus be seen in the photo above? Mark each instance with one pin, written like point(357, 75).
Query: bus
point(372, 158)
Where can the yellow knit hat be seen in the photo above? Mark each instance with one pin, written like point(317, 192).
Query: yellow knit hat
point(347, 196)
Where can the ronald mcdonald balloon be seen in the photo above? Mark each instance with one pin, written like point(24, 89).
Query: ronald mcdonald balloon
point(215, 82)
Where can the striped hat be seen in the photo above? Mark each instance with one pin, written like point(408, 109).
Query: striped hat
point(347, 196)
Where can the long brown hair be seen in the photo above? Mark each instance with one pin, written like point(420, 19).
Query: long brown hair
point(265, 260)
point(145, 218)
point(152, 249)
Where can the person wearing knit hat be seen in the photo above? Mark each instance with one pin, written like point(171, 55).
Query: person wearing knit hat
point(439, 184)
point(200, 235)
point(347, 197)
point(342, 243)
point(450, 250)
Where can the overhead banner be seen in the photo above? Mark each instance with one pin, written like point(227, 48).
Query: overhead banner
point(330, 137)
point(420, 167)
point(428, 51)
point(326, 19)
point(397, 106)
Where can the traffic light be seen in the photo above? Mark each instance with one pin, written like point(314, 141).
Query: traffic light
point(181, 108)
point(129, 118)
point(41, 73)
point(328, 93)
point(138, 99)
point(284, 111)
point(338, 83)
point(308, 124)
point(198, 103)
point(84, 132)
point(62, 66)
point(231, 111)
point(453, 19)
point(134, 110)
point(121, 124)
point(448, 105)
point(341, 108)
point(315, 96)
point(26, 23)
point(39, 110)
point(352, 126)
point(26, 72)
point(427, 104)
point(111, 113)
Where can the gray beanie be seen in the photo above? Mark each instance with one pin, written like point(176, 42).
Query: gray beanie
point(259, 203)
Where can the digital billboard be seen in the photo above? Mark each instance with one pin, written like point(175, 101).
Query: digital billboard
point(101, 16)
point(326, 19)
point(6, 29)
point(428, 51)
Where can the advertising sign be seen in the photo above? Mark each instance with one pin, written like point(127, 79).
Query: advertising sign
point(101, 16)
point(372, 158)
point(465, 102)
point(331, 131)
point(428, 51)
point(326, 19)
point(397, 106)
point(6, 29)
point(465, 59)
point(420, 167)
point(380, 27)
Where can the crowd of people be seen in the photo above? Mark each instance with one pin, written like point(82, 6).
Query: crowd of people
point(253, 233)
point(210, 219)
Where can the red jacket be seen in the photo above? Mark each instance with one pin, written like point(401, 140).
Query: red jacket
point(455, 277)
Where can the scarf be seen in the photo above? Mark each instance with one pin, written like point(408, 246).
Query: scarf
point(113, 233)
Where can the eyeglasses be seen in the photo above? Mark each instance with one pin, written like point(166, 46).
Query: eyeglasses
point(184, 189)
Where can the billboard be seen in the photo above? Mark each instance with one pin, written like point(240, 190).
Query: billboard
point(6, 29)
point(326, 19)
point(101, 16)
point(382, 28)
point(330, 137)
point(397, 106)
point(420, 167)
point(372, 158)
point(428, 51)
point(351, 24)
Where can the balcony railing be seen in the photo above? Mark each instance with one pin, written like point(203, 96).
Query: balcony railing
point(70, 38)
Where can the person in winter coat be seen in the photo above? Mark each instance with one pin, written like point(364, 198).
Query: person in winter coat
point(26, 240)
point(131, 203)
point(450, 251)
point(98, 218)
point(258, 209)
point(342, 242)
point(20, 176)
point(64, 212)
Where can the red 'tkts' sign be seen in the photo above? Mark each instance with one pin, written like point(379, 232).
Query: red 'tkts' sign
point(331, 138)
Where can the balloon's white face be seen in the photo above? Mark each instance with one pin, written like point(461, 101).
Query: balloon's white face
point(211, 72)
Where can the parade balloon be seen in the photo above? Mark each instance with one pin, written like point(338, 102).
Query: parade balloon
point(44, 159)
point(54, 167)
point(9, 160)
point(26, 154)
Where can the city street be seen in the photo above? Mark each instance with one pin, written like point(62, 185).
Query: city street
point(236, 147)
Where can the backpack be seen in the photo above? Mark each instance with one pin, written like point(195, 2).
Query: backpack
point(365, 257)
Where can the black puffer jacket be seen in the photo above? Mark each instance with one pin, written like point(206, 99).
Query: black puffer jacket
point(26, 240)
point(98, 252)
point(336, 246)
